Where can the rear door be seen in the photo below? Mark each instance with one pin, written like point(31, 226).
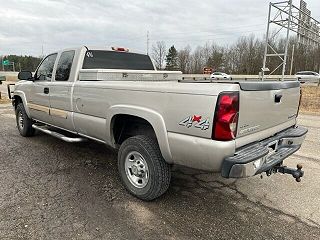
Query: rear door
point(264, 105)
point(61, 89)
point(39, 102)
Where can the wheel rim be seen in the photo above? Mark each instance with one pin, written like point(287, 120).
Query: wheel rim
point(136, 169)
point(20, 120)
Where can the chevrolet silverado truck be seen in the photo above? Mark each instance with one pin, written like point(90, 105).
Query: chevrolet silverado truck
point(157, 118)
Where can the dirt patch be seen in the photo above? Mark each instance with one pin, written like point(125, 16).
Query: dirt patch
point(4, 101)
point(310, 100)
point(11, 78)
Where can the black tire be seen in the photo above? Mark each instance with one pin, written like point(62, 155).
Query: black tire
point(25, 129)
point(159, 173)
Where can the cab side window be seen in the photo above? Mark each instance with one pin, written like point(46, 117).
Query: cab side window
point(64, 66)
point(44, 72)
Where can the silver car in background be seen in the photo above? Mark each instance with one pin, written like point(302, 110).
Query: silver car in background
point(307, 76)
point(220, 76)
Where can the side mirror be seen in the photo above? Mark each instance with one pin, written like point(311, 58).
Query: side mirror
point(25, 75)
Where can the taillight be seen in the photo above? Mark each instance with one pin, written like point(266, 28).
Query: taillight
point(120, 49)
point(226, 116)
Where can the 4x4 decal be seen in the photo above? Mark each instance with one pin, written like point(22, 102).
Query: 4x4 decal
point(202, 124)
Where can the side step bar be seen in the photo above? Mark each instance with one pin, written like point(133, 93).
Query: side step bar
point(59, 135)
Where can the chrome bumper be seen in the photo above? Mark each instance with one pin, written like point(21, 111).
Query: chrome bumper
point(264, 155)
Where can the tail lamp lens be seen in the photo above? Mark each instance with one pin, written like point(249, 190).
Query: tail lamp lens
point(226, 116)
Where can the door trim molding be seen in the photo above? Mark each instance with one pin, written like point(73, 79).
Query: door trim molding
point(39, 107)
point(50, 111)
point(58, 113)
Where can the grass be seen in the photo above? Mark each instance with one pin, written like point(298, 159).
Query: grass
point(310, 100)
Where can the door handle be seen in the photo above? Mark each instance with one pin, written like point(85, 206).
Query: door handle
point(277, 98)
point(46, 90)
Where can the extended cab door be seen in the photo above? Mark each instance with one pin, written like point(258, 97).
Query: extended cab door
point(61, 91)
point(39, 102)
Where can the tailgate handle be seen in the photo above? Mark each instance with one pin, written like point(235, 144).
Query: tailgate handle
point(277, 98)
point(46, 90)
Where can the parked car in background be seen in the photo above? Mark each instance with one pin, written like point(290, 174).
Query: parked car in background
point(307, 76)
point(220, 76)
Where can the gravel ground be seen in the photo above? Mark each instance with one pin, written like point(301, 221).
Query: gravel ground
point(54, 190)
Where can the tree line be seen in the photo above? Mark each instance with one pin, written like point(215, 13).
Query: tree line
point(29, 63)
point(245, 56)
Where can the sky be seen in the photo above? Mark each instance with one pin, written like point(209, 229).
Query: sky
point(33, 27)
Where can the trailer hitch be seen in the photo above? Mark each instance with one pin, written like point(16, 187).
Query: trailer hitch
point(296, 173)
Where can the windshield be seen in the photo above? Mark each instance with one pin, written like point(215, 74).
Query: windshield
point(99, 59)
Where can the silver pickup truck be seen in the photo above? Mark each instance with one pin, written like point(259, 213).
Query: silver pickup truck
point(157, 118)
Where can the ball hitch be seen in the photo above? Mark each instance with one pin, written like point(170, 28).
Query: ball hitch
point(296, 173)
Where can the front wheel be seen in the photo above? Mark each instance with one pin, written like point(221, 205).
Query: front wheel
point(24, 123)
point(142, 168)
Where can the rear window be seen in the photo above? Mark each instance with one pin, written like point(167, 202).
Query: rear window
point(95, 59)
point(64, 66)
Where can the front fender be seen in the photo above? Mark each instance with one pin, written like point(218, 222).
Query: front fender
point(24, 100)
point(153, 117)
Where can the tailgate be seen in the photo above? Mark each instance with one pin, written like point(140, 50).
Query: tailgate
point(265, 105)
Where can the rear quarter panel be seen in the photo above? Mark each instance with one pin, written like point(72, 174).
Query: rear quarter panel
point(167, 106)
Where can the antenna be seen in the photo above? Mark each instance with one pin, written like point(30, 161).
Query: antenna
point(148, 42)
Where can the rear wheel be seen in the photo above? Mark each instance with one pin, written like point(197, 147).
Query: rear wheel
point(142, 168)
point(24, 123)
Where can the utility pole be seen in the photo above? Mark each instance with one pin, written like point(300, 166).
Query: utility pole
point(148, 42)
point(292, 56)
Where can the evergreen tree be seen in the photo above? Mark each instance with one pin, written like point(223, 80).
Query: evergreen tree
point(172, 59)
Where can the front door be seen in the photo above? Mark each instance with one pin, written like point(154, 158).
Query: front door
point(39, 103)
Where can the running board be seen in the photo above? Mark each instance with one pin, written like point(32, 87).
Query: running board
point(59, 135)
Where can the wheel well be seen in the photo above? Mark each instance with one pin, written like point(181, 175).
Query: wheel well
point(125, 126)
point(17, 100)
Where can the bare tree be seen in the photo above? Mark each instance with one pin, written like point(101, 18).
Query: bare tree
point(197, 60)
point(245, 56)
point(184, 59)
point(158, 54)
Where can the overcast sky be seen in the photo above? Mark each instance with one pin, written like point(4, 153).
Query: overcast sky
point(27, 25)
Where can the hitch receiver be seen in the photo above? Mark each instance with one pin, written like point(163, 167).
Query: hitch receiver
point(296, 173)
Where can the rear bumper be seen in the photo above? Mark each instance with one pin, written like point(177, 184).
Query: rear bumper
point(259, 157)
